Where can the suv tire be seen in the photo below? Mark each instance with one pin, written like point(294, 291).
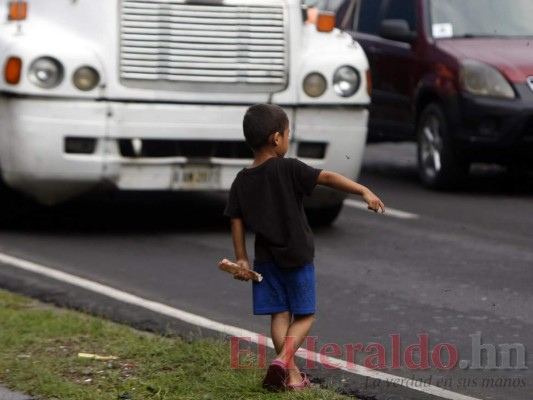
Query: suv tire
point(438, 166)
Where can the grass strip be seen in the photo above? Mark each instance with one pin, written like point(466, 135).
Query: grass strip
point(39, 355)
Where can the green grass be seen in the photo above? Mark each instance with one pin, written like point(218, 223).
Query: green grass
point(39, 347)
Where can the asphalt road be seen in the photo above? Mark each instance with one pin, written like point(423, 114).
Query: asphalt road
point(458, 275)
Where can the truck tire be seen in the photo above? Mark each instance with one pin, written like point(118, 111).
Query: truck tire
point(8, 210)
point(438, 167)
point(323, 216)
point(13, 207)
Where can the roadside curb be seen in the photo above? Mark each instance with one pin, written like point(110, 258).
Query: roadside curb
point(79, 298)
point(6, 394)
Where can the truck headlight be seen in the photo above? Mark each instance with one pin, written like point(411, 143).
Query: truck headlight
point(315, 84)
point(484, 80)
point(46, 72)
point(346, 81)
point(86, 78)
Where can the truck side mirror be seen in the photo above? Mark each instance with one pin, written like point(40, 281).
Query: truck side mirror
point(304, 13)
point(396, 29)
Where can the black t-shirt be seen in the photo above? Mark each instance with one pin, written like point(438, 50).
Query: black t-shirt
point(269, 199)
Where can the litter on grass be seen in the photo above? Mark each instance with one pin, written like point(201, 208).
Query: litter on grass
point(96, 356)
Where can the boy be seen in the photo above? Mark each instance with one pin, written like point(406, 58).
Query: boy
point(267, 197)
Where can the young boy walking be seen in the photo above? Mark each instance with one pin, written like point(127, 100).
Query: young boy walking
point(267, 198)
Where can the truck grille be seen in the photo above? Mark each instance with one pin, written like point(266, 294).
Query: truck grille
point(159, 148)
point(239, 46)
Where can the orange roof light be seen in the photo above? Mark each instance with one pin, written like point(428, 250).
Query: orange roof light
point(325, 21)
point(368, 82)
point(13, 70)
point(18, 10)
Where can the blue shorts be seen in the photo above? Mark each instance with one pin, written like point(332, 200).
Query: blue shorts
point(284, 289)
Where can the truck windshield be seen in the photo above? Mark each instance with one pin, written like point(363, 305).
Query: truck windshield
point(481, 18)
point(326, 5)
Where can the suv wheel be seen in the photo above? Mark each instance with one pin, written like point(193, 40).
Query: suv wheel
point(438, 167)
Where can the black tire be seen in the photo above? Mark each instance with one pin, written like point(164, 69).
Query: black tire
point(438, 166)
point(8, 209)
point(519, 177)
point(323, 216)
point(13, 206)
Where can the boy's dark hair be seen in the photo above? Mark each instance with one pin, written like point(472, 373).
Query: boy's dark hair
point(261, 121)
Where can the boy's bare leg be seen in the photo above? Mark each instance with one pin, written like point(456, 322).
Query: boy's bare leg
point(280, 323)
point(296, 333)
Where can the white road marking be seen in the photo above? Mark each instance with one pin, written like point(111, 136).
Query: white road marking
point(391, 212)
point(217, 326)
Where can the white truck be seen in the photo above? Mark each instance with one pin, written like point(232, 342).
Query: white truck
point(149, 95)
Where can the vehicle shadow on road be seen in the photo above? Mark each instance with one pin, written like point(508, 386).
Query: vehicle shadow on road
point(114, 213)
point(397, 162)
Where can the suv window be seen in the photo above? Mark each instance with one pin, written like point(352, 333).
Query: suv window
point(493, 18)
point(401, 9)
point(326, 5)
point(372, 12)
point(369, 18)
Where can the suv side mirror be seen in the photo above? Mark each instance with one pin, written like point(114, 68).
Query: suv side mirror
point(396, 29)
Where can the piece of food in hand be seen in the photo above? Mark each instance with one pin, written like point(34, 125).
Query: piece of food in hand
point(231, 267)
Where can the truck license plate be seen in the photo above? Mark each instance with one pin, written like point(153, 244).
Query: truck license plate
point(197, 177)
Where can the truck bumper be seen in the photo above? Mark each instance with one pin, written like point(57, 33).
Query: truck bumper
point(54, 150)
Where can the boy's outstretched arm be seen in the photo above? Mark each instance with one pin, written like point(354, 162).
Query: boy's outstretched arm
point(339, 182)
point(239, 245)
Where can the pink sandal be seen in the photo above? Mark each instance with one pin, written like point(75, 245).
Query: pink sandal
point(304, 384)
point(276, 376)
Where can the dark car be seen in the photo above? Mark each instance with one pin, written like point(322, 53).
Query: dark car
point(454, 75)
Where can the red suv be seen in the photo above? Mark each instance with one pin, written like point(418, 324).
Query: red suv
point(454, 75)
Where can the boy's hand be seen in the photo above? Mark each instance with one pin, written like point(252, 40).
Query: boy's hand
point(373, 201)
point(242, 275)
point(339, 182)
